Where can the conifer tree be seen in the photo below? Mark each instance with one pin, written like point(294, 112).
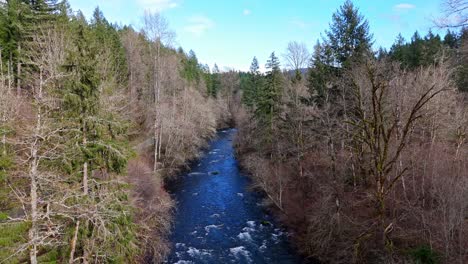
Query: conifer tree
point(269, 94)
point(95, 142)
point(252, 85)
point(320, 73)
point(451, 39)
point(349, 35)
point(215, 83)
point(190, 70)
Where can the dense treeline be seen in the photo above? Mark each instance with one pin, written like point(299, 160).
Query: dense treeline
point(365, 155)
point(423, 52)
point(93, 118)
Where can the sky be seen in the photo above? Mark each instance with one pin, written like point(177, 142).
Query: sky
point(231, 32)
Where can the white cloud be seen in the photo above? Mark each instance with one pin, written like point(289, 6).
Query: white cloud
point(247, 12)
point(159, 5)
point(404, 6)
point(198, 25)
point(299, 23)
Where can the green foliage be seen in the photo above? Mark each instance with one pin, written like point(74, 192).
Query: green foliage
point(214, 85)
point(104, 149)
point(6, 163)
point(320, 74)
point(11, 236)
point(251, 84)
point(451, 39)
point(269, 94)
point(19, 19)
point(3, 216)
point(424, 255)
point(12, 29)
point(51, 257)
point(191, 70)
point(349, 35)
point(421, 52)
point(462, 62)
point(106, 39)
point(418, 52)
point(118, 243)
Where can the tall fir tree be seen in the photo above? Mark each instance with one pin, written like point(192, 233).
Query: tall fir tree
point(320, 73)
point(215, 83)
point(252, 85)
point(190, 70)
point(349, 36)
point(269, 95)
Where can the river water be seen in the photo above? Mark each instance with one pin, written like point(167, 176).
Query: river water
point(218, 220)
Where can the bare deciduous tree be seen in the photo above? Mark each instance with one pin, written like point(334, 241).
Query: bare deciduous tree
point(297, 55)
point(157, 31)
point(39, 142)
point(383, 125)
point(456, 14)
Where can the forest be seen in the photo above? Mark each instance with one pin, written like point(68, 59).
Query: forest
point(360, 152)
point(364, 155)
point(86, 109)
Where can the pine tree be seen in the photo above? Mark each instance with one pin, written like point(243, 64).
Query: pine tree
point(215, 84)
point(95, 136)
point(319, 74)
point(398, 51)
point(462, 61)
point(415, 51)
point(252, 85)
point(19, 21)
point(451, 39)
point(13, 32)
point(96, 141)
point(432, 45)
point(190, 69)
point(349, 35)
point(269, 94)
point(112, 64)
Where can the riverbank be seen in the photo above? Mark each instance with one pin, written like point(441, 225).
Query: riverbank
point(185, 136)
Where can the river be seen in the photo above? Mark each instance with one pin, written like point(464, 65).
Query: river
point(218, 220)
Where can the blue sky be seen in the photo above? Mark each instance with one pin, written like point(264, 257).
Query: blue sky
point(231, 32)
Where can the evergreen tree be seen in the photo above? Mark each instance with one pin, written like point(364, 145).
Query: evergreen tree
point(431, 48)
point(19, 21)
point(451, 39)
point(215, 83)
point(269, 94)
point(96, 141)
point(112, 63)
point(190, 70)
point(419, 51)
point(398, 51)
point(319, 74)
point(349, 35)
point(462, 61)
point(252, 84)
point(96, 137)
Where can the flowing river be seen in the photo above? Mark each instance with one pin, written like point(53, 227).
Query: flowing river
point(218, 220)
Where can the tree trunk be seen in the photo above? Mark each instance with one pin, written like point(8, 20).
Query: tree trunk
point(34, 217)
point(85, 165)
point(73, 243)
point(157, 92)
point(18, 68)
point(4, 118)
point(33, 175)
